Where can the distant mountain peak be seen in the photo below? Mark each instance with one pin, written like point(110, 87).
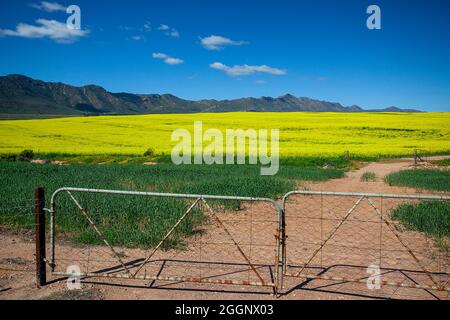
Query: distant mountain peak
point(23, 95)
point(18, 76)
point(288, 96)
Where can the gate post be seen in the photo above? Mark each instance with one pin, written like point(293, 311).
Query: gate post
point(281, 252)
point(39, 216)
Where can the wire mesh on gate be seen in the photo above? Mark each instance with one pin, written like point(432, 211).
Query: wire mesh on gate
point(165, 237)
point(367, 244)
point(17, 225)
point(16, 219)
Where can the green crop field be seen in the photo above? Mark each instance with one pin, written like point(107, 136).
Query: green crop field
point(121, 217)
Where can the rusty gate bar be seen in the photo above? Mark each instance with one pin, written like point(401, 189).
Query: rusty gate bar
point(364, 281)
point(278, 266)
point(361, 196)
point(170, 279)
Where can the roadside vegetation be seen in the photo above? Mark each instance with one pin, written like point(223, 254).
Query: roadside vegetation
point(150, 155)
point(443, 163)
point(421, 179)
point(430, 217)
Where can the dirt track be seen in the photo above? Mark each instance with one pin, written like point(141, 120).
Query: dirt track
point(17, 252)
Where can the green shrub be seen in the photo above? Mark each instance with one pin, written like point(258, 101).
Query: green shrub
point(26, 155)
point(8, 157)
point(444, 162)
point(149, 153)
point(368, 177)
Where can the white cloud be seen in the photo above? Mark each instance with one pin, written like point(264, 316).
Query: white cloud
point(244, 70)
point(218, 42)
point(172, 32)
point(160, 56)
point(49, 6)
point(137, 38)
point(52, 29)
point(167, 59)
point(126, 28)
point(163, 27)
point(173, 61)
point(147, 26)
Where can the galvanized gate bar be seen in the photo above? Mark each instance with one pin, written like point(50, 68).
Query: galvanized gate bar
point(368, 195)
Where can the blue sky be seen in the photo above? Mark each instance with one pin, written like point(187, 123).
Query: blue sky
point(319, 49)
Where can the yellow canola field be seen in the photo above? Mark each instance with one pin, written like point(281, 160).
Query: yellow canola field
point(301, 134)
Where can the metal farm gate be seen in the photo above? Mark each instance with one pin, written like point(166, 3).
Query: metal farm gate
point(360, 243)
point(234, 240)
point(356, 241)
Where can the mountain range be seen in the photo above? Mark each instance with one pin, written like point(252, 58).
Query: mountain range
point(27, 97)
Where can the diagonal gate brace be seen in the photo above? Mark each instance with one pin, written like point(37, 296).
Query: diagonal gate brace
point(234, 241)
point(331, 235)
point(166, 236)
point(94, 226)
point(392, 229)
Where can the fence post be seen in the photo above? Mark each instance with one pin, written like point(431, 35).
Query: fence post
point(39, 216)
point(347, 155)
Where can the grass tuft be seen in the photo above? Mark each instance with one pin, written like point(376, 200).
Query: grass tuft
point(368, 177)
